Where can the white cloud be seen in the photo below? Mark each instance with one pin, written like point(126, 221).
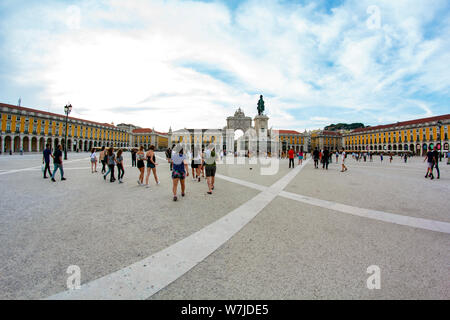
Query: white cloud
point(149, 54)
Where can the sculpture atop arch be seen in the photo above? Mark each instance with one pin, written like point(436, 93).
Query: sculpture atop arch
point(239, 121)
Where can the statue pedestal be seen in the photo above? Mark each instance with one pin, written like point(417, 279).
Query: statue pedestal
point(261, 124)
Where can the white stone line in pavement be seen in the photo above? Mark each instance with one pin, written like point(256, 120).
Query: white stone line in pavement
point(414, 222)
point(242, 182)
point(38, 167)
point(146, 277)
point(421, 223)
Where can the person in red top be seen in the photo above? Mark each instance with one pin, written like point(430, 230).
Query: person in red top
point(291, 157)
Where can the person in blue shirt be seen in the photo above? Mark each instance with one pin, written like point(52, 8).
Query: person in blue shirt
point(179, 172)
point(46, 160)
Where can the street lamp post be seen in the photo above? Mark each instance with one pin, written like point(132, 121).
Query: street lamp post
point(439, 124)
point(67, 110)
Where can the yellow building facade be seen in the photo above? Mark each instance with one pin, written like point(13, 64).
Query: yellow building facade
point(414, 136)
point(29, 130)
point(321, 139)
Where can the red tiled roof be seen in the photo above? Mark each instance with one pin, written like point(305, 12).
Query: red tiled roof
point(142, 130)
point(332, 133)
point(53, 114)
point(288, 132)
point(404, 123)
point(147, 130)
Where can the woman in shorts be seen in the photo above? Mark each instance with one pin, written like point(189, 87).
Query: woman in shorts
point(93, 161)
point(197, 165)
point(179, 173)
point(300, 157)
point(194, 167)
point(140, 156)
point(120, 170)
point(151, 165)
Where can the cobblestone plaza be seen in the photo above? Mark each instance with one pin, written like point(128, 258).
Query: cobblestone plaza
point(300, 233)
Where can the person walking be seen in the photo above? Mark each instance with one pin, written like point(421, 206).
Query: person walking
point(169, 155)
point(111, 161)
point(405, 156)
point(210, 168)
point(325, 158)
point(429, 157)
point(291, 157)
point(197, 165)
point(133, 158)
point(102, 159)
point(58, 163)
point(436, 162)
point(151, 165)
point(337, 156)
point(202, 166)
point(119, 162)
point(179, 172)
point(93, 161)
point(46, 159)
point(316, 158)
point(300, 157)
point(140, 165)
point(344, 168)
point(381, 157)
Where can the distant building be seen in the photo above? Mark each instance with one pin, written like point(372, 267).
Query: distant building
point(31, 129)
point(413, 136)
point(321, 139)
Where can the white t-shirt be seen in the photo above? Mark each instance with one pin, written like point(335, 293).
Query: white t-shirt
point(177, 158)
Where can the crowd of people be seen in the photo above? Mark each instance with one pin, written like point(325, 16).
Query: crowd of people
point(203, 164)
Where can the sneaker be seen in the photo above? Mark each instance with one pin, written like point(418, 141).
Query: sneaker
point(53, 180)
point(209, 192)
point(62, 179)
point(139, 183)
point(45, 177)
point(175, 198)
point(182, 194)
point(158, 183)
point(147, 186)
point(198, 179)
point(120, 181)
point(104, 178)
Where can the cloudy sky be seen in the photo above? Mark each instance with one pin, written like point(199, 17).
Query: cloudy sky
point(161, 63)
